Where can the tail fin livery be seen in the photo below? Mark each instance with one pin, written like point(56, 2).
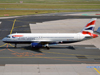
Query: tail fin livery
point(89, 28)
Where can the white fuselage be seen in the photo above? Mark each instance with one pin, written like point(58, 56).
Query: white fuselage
point(44, 37)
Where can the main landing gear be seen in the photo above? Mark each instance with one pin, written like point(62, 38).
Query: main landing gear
point(47, 46)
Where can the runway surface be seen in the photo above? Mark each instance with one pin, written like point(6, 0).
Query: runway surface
point(24, 54)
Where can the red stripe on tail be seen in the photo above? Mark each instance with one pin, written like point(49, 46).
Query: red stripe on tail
point(91, 34)
point(85, 32)
point(91, 23)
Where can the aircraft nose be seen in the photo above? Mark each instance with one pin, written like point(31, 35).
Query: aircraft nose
point(3, 39)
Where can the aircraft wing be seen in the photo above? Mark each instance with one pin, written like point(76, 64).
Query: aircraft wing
point(43, 42)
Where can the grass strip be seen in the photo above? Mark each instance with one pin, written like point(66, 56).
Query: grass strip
point(33, 12)
point(50, 6)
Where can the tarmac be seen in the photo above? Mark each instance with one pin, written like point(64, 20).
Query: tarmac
point(49, 69)
point(81, 59)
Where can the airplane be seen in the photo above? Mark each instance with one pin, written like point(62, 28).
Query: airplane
point(39, 40)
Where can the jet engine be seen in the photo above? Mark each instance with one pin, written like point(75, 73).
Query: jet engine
point(36, 45)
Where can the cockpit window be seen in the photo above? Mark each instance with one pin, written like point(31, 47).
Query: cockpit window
point(7, 36)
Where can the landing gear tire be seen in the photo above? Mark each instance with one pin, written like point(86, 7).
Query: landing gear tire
point(47, 47)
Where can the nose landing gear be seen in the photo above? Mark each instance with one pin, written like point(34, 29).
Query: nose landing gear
point(15, 45)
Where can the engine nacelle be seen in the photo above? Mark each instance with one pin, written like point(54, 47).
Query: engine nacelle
point(36, 45)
